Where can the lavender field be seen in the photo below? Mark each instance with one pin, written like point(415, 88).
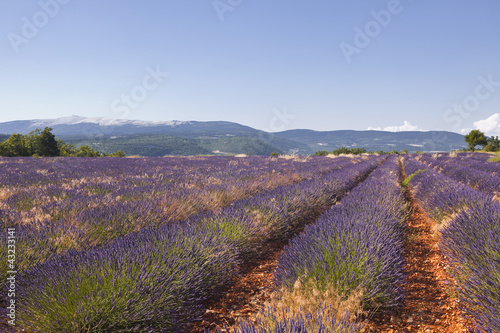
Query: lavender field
point(149, 244)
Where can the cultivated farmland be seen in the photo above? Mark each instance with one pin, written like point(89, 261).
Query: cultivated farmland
point(252, 244)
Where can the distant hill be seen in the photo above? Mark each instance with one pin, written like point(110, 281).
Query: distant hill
point(146, 138)
point(144, 145)
point(377, 140)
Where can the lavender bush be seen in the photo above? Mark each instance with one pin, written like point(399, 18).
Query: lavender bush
point(464, 173)
point(440, 196)
point(355, 248)
point(76, 203)
point(159, 278)
point(357, 243)
point(470, 240)
point(294, 322)
point(156, 280)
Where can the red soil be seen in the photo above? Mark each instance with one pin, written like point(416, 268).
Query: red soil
point(246, 295)
point(428, 304)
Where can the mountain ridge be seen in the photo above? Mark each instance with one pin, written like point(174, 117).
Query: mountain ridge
point(158, 138)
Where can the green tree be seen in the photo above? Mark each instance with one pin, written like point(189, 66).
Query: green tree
point(475, 138)
point(40, 143)
point(65, 149)
point(493, 144)
point(119, 153)
point(47, 143)
point(321, 153)
point(44, 143)
point(86, 151)
point(32, 142)
point(345, 150)
point(14, 146)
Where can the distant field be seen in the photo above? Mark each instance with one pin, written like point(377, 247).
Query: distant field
point(152, 244)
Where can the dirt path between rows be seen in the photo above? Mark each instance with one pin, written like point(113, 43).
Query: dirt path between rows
point(428, 304)
point(246, 295)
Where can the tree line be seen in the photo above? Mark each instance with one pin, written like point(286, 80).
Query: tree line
point(477, 138)
point(44, 143)
point(357, 151)
point(473, 139)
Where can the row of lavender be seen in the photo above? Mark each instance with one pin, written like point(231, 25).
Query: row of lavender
point(158, 279)
point(351, 260)
point(477, 161)
point(24, 172)
point(150, 192)
point(470, 239)
point(36, 190)
point(482, 176)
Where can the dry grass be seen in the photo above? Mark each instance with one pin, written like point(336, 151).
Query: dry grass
point(496, 197)
point(5, 194)
point(296, 158)
point(445, 222)
point(287, 157)
point(306, 300)
point(342, 155)
point(178, 209)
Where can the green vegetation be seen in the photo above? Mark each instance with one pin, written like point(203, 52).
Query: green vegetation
point(162, 145)
point(475, 138)
point(405, 182)
point(492, 145)
point(478, 138)
point(357, 151)
point(144, 145)
point(237, 145)
point(43, 143)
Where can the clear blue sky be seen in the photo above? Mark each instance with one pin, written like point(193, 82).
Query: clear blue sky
point(264, 59)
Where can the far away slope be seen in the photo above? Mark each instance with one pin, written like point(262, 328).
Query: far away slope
point(220, 137)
